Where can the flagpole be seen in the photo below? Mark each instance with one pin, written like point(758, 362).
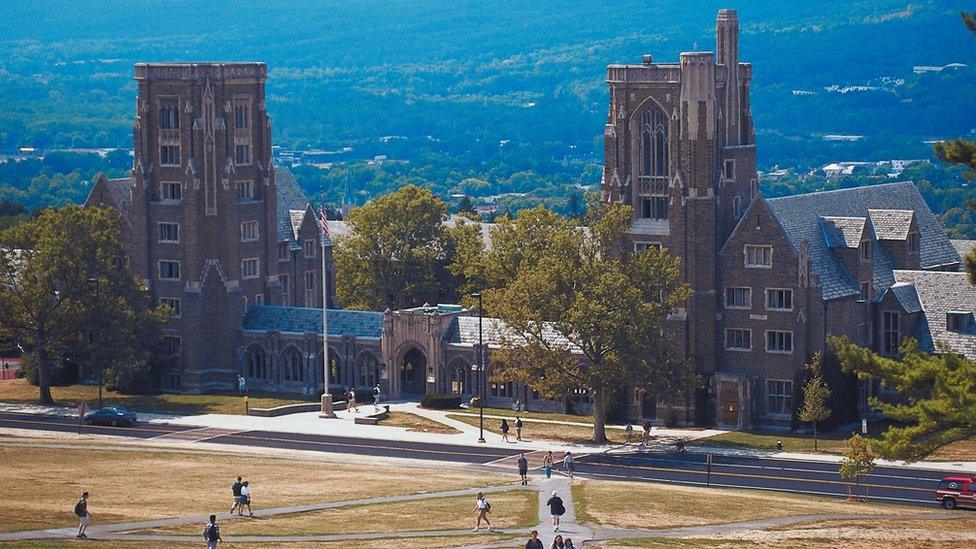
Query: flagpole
point(327, 411)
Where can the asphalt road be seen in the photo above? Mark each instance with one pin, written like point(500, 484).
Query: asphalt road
point(898, 485)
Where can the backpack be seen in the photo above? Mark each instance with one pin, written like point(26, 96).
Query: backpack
point(211, 532)
point(80, 508)
point(487, 505)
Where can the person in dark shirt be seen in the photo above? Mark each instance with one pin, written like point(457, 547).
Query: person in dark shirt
point(556, 510)
point(523, 469)
point(84, 518)
point(505, 431)
point(534, 542)
point(518, 428)
point(236, 490)
point(211, 533)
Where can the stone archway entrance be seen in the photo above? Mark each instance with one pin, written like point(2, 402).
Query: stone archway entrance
point(413, 372)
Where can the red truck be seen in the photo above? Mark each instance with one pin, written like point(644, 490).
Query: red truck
point(956, 491)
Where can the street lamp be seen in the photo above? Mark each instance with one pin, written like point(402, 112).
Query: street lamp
point(481, 370)
point(96, 282)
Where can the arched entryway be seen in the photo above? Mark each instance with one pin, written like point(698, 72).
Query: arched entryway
point(730, 409)
point(413, 372)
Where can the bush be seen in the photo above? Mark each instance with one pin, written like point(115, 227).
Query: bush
point(441, 402)
point(62, 374)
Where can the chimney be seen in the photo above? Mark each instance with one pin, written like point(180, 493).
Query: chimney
point(647, 58)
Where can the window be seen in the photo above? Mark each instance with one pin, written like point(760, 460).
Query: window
point(738, 339)
point(654, 207)
point(245, 189)
point(865, 250)
point(958, 321)
point(864, 335)
point(171, 190)
point(760, 257)
point(169, 232)
point(310, 300)
point(310, 248)
point(242, 115)
point(172, 303)
point(250, 268)
point(169, 155)
point(738, 298)
point(284, 289)
point(283, 254)
point(169, 270)
point(729, 171)
point(891, 330)
point(654, 169)
point(242, 155)
point(169, 114)
point(259, 299)
point(644, 246)
point(249, 231)
point(736, 207)
point(779, 341)
point(173, 345)
point(864, 293)
point(779, 299)
point(913, 243)
point(779, 393)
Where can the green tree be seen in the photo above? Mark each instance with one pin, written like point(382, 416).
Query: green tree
point(49, 266)
point(581, 316)
point(938, 405)
point(858, 463)
point(815, 395)
point(400, 253)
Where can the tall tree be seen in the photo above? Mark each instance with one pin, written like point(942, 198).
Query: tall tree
point(938, 405)
point(858, 463)
point(49, 267)
point(579, 314)
point(400, 253)
point(815, 395)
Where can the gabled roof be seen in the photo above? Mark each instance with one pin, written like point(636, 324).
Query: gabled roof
point(463, 330)
point(906, 295)
point(290, 197)
point(963, 246)
point(842, 232)
point(800, 216)
point(939, 293)
point(891, 224)
point(119, 189)
point(303, 320)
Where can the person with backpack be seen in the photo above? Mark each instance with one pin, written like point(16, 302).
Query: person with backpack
point(482, 507)
point(505, 429)
point(211, 533)
point(236, 490)
point(547, 464)
point(569, 464)
point(518, 428)
point(523, 469)
point(556, 510)
point(245, 499)
point(84, 517)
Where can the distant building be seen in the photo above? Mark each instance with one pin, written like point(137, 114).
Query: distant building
point(922, 69)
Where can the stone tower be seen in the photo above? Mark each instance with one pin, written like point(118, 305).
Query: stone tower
point(204, 203)
point(680, 149)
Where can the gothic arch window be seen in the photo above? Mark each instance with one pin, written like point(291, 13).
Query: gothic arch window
point(291, 364)
point(256, 363)
point(459, 380)
point(368, 368)
point(652, 196)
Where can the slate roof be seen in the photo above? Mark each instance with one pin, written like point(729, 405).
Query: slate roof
point(341, 228)
point(120, 190)
point(906, 294)
point(463, 330)
point(290, 197)
point(302, 320)
point(800, 215)
point(963, 246)
point(843, 232)
point(891, 224)
point(940, 292)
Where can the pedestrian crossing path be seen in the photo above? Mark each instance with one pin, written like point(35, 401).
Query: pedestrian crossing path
point(534, 458)
point(199, 435)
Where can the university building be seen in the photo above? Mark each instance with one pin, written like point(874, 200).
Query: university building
point(230, 242)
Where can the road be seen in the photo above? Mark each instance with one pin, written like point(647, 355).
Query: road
point(898, 485)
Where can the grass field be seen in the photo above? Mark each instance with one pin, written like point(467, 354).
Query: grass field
point(18, 391)
point(535, 430)
point(511, 509)
point(413, 422)
point(41, 485)
point(399, 543)
point(655, 506)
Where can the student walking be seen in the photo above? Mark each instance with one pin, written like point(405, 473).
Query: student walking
point(534, 541)
point(236, 490)
point(84, 517)
point(482, 507)
point(505, 431)
point(351, 400)
point(647, 431)
point(376, 398)
point(569, 464)
point(245, 499)
point(556, 510)
point(518, 428)
point(547, 464)
point(211, 533)
point(630, 431)
point(557, 543)
point(523, 469)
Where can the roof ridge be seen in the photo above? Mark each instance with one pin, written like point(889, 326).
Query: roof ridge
point(846, 189)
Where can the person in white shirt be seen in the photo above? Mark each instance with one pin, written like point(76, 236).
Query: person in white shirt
point(483, 508)
point(245, 499)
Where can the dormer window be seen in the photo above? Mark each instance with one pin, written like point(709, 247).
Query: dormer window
point(959, 321)
point(913, 243)
point(865, 250)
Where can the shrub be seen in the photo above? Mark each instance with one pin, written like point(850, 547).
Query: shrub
point(441, 402)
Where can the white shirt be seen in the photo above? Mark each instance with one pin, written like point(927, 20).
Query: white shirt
point(482, 504)
point(245, 490)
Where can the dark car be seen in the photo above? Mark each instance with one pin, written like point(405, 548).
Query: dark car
point(111, 415)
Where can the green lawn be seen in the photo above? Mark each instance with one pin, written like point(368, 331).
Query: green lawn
point(20, 392)
point(508, 413)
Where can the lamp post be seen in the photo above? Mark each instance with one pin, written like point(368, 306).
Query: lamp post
point(327, 411)
point(481, 370)
point(96, 282)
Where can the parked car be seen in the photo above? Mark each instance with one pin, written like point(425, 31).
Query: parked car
point(956, 491)
point(111, 415)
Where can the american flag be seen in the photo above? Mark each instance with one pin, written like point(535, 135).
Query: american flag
point(324, 219)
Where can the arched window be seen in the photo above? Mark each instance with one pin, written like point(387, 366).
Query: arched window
point(256, 363)
point(291, 363)
point(654, 170)
point(460, 377)
point(368, 367)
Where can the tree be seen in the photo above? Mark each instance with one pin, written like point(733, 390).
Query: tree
point(938, 396)
point(48, 268)
point(815, 395)
point(579, 315)
point(858, 462)
point(400, 254)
